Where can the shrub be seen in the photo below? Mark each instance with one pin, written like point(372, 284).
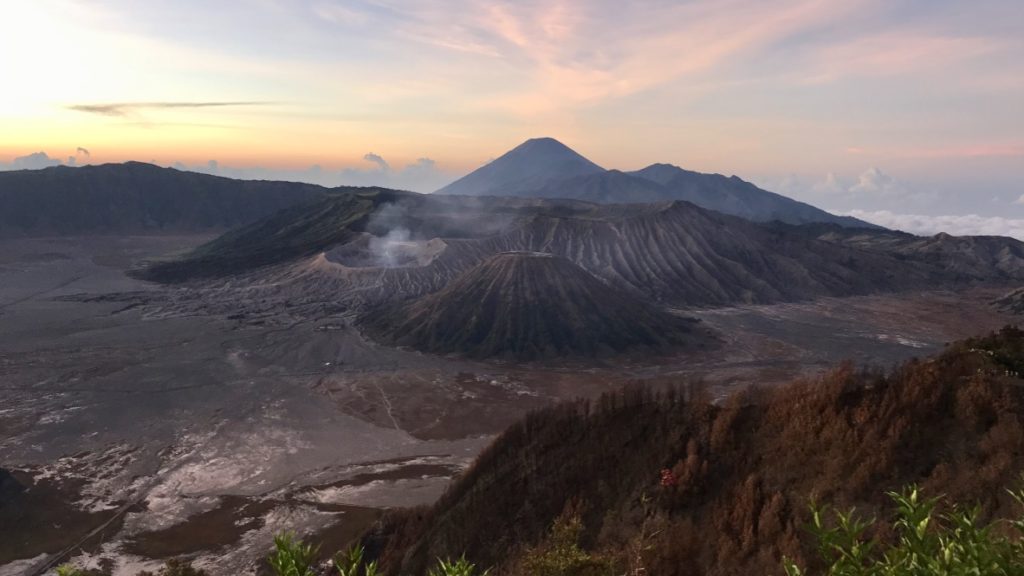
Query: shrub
point(460, 567)
point(292, 557)
point(561, 555)
point(352, 561)
point(925, 544)
point(68, 570)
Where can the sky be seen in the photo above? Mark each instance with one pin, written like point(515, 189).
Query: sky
point(907, 113)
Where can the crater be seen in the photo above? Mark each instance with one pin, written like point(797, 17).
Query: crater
point(393, 250)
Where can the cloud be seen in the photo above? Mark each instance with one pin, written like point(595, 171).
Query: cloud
point(958, 225)
point(874, 181)
point(378, 160)
point(894, 53)
point(423, 175)
point(976, 150)
point(79, 153)
point(34, 161)
point(127, 108)
point(420, 176)
point(554, 48)
point(39, 160)
point(872, 189)
point(1019, 200)
point(337, 13)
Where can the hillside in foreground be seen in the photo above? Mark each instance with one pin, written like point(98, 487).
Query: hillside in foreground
point(740, 474)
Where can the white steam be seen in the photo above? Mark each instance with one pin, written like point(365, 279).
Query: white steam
point(393, 249)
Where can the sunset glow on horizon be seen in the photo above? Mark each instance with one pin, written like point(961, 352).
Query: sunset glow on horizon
point(784, 93)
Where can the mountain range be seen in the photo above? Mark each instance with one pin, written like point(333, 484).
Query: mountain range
point(433, 272)
point(134, 197)
point(546, 168)
point(446, 272)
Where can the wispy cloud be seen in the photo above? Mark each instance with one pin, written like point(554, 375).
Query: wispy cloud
point(557, 50)
point(896, 53)
point(126, 108)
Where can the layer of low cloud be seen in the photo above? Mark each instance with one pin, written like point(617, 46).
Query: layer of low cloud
point(40, 160)
point(33, 161)
point(958, 225)
point(872, 189)
point(877, 196)
point(423, 175)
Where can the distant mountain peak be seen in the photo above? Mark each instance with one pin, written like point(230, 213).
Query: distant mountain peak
point(541, 140)
point(524, 169)
point(544, 144)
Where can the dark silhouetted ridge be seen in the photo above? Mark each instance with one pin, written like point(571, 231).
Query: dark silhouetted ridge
point(136, 198)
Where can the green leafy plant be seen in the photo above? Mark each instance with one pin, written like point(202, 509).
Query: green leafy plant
point(68, 570)
point(460, 567)
point(926, 543)
point(561, 555)
point(350, 563)
point(292, 557)
point(72, 570)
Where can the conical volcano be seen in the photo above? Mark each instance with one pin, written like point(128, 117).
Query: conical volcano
point(527, 306)
point(524, 169)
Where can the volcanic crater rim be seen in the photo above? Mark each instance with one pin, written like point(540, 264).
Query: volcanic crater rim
point(393, 250)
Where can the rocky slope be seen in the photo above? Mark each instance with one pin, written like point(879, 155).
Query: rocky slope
point(740, 473)
point(292, 233)
point(676, 254)
point(1012, 302)
point(529, 305)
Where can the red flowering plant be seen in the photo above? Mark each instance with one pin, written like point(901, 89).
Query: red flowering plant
point(668, 478)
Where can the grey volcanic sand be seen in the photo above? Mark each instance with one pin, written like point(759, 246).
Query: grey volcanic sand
point(179, 418)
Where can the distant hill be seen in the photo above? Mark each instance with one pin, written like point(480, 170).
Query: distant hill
point(526, 306)
point(547, 168)
point(522, 170)
point(136, 198)
point(741, 472)
point(732, 195)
